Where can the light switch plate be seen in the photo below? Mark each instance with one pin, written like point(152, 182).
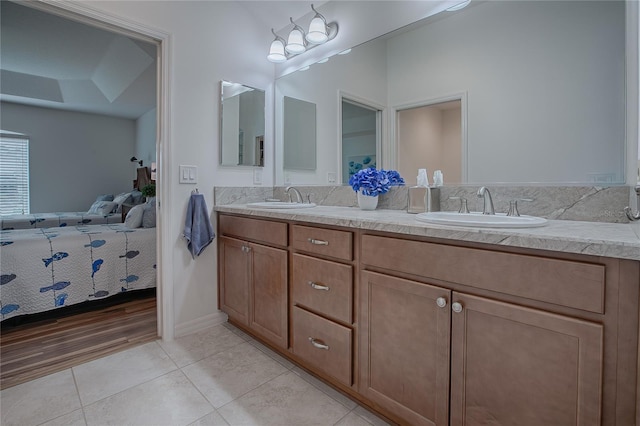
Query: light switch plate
point(188, 174)
point(257, 176)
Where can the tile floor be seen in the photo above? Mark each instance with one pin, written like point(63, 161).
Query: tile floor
point(219, 376)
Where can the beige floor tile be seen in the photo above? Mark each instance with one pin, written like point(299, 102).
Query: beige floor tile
point(237, 331)
point(338, 396)
point(369, 416)
point(75, 418)
point(287, 400)
point(226, 375)
point(168, 400)
point(273, 354)
point(39, 400)
point(352, 419)
point(211, 419)
point(194, 347)
point(106, 376)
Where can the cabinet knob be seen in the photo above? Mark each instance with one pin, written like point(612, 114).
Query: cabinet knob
point(318, 344)
point(456, 307)
point(316, 286)
point(441, 302)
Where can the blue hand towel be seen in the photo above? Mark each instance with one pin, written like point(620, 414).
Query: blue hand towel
point(197, 227)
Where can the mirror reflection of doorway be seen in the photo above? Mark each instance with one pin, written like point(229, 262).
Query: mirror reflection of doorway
point(360, 138)
point(430, 137)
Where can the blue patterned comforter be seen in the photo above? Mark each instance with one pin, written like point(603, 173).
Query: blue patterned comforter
point(45, 269)
point(50, 220)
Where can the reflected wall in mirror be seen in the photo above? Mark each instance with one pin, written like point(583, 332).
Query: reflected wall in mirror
point(241, 125)
point(544, 83)
point(299, 134)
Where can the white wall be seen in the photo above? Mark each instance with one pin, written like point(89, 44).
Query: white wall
point(201, 56)
point(519, 130)
point(73, 156)
point(146, 134)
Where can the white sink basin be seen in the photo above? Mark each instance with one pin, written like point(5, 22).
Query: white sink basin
point(280, 205)
point(479, 220)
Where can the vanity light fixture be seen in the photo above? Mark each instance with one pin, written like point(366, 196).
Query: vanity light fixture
point(276, 52)
point(459, 6)
point(319, 33)
point(296, 43)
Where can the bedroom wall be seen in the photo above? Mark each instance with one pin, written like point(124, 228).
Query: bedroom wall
point(73, 156)
point(145, 146)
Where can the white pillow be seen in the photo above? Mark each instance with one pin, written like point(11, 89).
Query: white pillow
point(102, 207)
point(134, 217)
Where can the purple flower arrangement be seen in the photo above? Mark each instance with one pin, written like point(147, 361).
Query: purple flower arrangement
point(374, 182)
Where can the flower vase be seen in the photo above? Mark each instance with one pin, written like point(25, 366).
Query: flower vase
point(367, 202)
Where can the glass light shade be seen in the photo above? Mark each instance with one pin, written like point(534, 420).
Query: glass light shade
point(317, 31)
point(276, 52)
point(295, 42)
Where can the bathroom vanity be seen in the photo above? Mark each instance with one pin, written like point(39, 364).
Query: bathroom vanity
point(430, 324)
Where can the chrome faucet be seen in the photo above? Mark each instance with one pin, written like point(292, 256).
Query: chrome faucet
point(295, 190)
point(484, 193)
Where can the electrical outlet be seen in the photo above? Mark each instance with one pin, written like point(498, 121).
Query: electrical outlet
point(331, 177)
point(257, 176)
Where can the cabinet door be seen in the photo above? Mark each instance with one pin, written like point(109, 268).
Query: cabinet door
point(404, 347)
point(514, 365)
point(234, 279)
point(269, 293)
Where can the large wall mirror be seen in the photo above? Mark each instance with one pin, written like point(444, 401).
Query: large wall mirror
point(541, 90)
point(241, 125)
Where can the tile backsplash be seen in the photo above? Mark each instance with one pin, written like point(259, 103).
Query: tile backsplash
point(586, 203)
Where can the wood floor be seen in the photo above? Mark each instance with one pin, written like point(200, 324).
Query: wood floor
point(34, 350)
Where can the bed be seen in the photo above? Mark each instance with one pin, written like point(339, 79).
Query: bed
point(49, 268)
point(49, 220)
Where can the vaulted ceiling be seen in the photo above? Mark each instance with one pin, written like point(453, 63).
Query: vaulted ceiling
point(54, 62)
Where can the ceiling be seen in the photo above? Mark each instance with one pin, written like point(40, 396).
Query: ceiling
point(50, 61)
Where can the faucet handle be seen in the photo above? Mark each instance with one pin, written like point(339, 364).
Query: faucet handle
point(463, 204)
point(513, 206)
point(308, 198)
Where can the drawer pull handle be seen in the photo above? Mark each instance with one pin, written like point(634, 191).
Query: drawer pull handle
point(318, 286)
point(441, 302)
point(456, 307)
point(317, 344)
point(318, 242)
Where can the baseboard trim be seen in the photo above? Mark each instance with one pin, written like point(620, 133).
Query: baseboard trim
point(199, 324)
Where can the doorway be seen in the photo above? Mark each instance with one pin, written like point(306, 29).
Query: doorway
point(430, 136)
point(360, 138)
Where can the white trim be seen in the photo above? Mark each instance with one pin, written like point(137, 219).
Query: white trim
point(462, 97)
point(200, 324)
point(632, 92)
point(91, 16)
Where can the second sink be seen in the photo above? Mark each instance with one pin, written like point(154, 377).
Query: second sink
point(479, 220)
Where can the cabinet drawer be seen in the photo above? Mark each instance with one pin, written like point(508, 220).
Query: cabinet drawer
point(324, 286)
point(322, 343)
point(327, 242)
point(274, 233)
point(562, 282)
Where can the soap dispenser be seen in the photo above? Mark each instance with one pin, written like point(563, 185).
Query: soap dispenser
point(423, 198)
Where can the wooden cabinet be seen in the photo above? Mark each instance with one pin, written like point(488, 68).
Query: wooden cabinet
point(514, 365)
point(404, 348)
point(322, 301)
point(253, 279)
point(509, 364)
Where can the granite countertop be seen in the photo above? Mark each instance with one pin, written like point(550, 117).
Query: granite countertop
point(592, 238)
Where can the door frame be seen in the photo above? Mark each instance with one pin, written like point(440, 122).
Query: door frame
point(97, 18)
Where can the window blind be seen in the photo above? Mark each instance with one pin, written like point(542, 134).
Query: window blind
point(14, 174)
